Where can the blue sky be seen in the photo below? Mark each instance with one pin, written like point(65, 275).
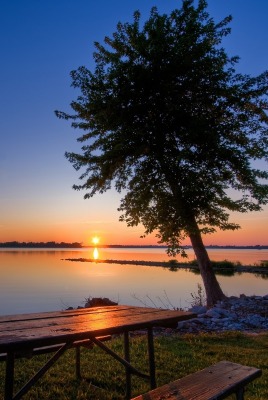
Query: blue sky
point(41, 42)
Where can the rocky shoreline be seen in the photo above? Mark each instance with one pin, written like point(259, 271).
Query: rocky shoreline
point(244, 313)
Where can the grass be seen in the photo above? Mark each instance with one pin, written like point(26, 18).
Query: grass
point(264, 263)
point(175, 355)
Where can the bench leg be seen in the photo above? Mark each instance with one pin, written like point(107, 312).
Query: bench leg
point(240, 394)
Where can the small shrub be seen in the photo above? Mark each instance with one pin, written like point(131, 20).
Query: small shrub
point(173, 265)
point(199, 298)
point(173, 262)
point(264, 263)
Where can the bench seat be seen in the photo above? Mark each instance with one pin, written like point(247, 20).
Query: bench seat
point(212, 383)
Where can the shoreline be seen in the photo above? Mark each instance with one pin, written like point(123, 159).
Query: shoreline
point(174, 266)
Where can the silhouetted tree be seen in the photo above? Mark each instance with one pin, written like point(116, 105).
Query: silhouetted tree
point(168, 120)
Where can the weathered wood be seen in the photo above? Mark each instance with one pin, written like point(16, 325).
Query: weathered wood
point(29, 334)
point(36, 330)
point(213, 383)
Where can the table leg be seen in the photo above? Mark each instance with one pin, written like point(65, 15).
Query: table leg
point(9, 379)
point(78, 362)
point(240, 394)
point(127, 358)
point(151, 358)
point(120, 359)
point(41, 372)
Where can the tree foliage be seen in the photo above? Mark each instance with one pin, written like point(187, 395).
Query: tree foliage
point(168, 120)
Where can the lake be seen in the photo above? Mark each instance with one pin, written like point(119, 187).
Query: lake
point(35, 280)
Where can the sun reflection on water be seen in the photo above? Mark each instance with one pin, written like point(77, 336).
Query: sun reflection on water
point(95, 253)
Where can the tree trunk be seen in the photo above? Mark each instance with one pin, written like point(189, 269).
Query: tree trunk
point(212, 287)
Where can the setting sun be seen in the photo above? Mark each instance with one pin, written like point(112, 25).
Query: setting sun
point(95, 240)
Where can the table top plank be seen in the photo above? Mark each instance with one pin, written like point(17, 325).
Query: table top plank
point(59, 314)
point(40, 329)
point(64, 318)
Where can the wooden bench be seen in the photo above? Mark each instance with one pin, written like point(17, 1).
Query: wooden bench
point(87, 343)
point(213, 383)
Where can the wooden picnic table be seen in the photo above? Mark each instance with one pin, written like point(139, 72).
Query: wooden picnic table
point(22, 334)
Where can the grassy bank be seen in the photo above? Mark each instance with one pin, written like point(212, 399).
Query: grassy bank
point(175, 356)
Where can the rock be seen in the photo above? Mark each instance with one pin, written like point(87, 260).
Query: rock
point(221, 311)
point(213, 314)
point(99, 302)
point(199, 309)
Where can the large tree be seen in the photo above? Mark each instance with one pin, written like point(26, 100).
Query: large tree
point(168, 120)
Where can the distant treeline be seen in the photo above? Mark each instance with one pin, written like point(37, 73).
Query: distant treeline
point(16, 244)
point(255, 247)
point(41, 245)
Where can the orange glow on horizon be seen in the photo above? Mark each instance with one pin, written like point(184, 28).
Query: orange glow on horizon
point(254, 231)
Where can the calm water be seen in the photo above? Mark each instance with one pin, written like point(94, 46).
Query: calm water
point(42, 280)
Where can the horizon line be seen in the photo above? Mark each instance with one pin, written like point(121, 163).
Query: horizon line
point(80, 245)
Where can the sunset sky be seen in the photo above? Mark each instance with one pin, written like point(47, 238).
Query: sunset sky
point(41, 42)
